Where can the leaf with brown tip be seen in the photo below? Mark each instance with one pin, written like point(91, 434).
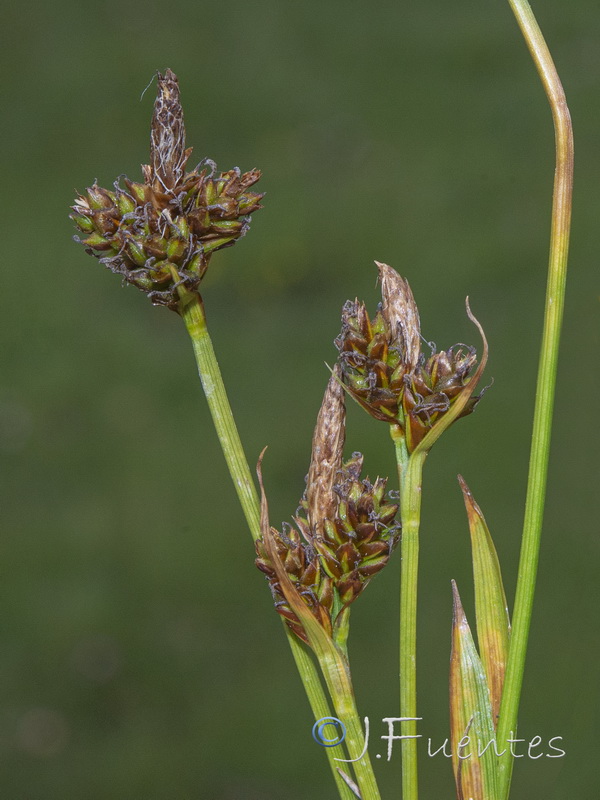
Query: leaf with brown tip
point(491, 611)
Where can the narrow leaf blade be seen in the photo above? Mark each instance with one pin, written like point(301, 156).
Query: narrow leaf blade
point(471, 723)
point(491, 611)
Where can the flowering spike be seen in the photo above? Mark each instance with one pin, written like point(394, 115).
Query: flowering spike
point(327, 454)
point(383, 368)
point(159, 235)
point(167, 137)
point(344, 534)
point(401, 314)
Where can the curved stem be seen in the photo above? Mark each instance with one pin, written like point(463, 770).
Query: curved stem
point(546, 381)
point(192, 312)
point(410, 469)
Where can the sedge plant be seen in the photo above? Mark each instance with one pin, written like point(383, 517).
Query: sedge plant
point(160, 235)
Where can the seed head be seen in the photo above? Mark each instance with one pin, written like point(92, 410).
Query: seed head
point(383, 368)
point(343, 533)
point(159, 235)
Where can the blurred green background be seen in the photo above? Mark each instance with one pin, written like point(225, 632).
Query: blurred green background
point(140, 656)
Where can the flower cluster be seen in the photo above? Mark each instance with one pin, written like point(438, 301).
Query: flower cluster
point(383, 368)
point(160, 234)
point(344, 528)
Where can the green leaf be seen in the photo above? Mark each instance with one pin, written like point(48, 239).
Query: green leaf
point(493, 623)
point(472, 733)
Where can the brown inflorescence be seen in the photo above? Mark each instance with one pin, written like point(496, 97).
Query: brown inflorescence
point(344, 529)
point(383, 368)
point(160, 234)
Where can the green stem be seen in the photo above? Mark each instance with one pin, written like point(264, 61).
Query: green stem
point(546, 381)
point(410, 469)
point(192, 311)
point(336, 672)
point(319, 706)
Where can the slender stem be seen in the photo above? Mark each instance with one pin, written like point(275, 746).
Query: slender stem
point(336, 672)
point(192, 311)
point(319, 706)
point(546, 381)
point(409, 475)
